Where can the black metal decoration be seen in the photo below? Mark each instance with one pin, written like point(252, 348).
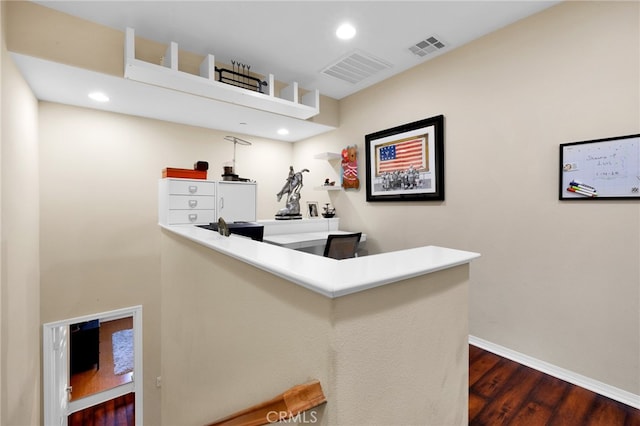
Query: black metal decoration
point(240, 76)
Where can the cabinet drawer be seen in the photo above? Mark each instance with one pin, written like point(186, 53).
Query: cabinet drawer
point(181, 217)
point(190, 202)
point(191, 187)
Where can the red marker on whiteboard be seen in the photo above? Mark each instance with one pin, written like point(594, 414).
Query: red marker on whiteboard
point(577, 190)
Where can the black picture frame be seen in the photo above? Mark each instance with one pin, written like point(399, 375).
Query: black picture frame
point(406, 163)
point(600, 169)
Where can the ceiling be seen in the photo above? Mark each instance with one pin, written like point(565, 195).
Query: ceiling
point(295, 40)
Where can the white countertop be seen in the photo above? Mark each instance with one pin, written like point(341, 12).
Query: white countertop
point(305, 239)
point(305, 225)
point(329, 277)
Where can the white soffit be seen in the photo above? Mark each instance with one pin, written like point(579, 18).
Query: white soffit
point(54, 82)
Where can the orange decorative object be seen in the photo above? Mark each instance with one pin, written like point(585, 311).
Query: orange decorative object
point(288, 405)
point(184, 173)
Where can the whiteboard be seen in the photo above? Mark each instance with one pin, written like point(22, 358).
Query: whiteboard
point(600, 169)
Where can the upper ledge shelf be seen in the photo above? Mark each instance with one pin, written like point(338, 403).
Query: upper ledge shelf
point(205, 85)
point(327, 156)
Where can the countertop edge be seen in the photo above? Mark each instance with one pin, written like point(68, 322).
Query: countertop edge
point(328, 277)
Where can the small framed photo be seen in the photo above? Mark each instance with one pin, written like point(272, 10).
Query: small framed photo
point(600, 169)
point(312, 209)
point(406, 163)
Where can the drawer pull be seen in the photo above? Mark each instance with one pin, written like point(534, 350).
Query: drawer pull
point(193, 189)
point(193, 203)
point(193, 217)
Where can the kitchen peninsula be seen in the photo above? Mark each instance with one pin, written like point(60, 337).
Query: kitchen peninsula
point(385, 334)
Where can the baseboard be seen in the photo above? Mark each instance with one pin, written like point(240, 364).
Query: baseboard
point(604, 389)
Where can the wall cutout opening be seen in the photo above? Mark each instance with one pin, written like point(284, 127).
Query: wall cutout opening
point(90, 360)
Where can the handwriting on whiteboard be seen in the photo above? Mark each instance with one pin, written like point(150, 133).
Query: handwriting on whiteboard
point(610, 166)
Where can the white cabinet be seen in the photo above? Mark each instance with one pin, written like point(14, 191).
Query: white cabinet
point(236, 201)
point(200, 202)
point(182, 201)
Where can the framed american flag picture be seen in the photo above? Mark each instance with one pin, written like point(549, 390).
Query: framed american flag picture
point(406, 163)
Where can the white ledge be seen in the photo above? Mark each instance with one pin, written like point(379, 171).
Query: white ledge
point(169, 76)
point(329, 277)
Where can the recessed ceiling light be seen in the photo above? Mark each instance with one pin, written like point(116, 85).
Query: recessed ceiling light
point(99, 97)
point(283, 131)
point(346, 31)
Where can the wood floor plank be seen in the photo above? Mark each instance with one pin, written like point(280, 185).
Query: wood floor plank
point(110, 412)
point(491, 382)
point(605, 412)
point(131, 413)
point(574, 407)
point(474, 351)
point(510, 397)
point(532, 414)
point(476, 404)
point(99, 414)
point(633, 417)
point(74, 421)
point(481, 364)
point(116, 412)
point(121, 418)
point(549, 391)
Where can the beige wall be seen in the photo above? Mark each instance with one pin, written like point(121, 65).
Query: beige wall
point(401, 353)
point(20, 393)
point(558, 281)
point(100, 243)
point(234, 336)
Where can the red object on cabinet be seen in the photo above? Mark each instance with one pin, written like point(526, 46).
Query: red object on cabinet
point(184, 173)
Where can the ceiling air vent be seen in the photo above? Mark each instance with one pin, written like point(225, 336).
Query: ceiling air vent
point(356, 67)
point(427, 46)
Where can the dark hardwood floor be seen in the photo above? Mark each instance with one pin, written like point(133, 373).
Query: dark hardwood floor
point(116, 412)
point(503, 392)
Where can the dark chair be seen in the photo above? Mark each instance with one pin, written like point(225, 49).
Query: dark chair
point(342, 246)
